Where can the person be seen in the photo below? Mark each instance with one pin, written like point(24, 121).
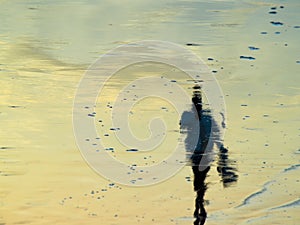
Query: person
point(196, 142)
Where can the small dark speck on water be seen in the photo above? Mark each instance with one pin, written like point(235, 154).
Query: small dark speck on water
point(210, 59)
point(188, 179)
point(273, 8)
point(298, 61)
point(4, 148)
point(277, 32)
point(263, 32)
point(296, 27)
point(252, 48)
point(276, 23)
point(247, 57)
point(193, 44)
point(244, 105)
point(281, 7)
point(174, 81)
point(132, 150)
point(272, 12)
point(91, 115)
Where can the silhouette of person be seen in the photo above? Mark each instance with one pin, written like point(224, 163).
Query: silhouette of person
point(196, 151)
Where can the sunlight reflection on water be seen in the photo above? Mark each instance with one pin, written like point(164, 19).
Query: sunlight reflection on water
point(45, 47)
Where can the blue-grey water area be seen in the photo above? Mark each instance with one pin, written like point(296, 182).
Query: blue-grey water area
point(250, 47)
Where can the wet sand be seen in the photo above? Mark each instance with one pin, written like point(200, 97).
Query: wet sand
point(45, 180)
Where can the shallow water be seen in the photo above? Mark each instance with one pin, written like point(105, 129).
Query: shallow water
point(45, 48)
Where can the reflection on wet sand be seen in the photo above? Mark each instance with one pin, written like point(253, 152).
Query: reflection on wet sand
point(225, 166)
point(200, 187)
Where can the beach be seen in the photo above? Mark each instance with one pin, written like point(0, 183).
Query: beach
point(46, 48)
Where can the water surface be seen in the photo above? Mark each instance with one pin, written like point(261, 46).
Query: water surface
point(45, 47)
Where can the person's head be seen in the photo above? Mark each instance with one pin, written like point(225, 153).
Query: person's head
point(197, 98)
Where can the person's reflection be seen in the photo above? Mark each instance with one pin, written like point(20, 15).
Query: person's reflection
point(200, 188)
point(226, 167)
